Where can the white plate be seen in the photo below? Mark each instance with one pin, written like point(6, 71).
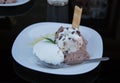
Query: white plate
point(19, 2)
point(22, 49)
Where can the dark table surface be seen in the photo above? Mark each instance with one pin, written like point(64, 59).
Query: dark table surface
point(14, 19)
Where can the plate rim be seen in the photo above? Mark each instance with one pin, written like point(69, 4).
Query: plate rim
point(14, 4)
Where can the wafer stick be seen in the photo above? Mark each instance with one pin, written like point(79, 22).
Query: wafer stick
point(77, 17)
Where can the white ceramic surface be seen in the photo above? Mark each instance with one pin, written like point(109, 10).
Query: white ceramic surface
point(19, 2)
point(23, 54)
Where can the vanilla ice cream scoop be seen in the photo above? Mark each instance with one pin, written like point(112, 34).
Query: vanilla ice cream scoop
point(69, 39)
point(49, 53)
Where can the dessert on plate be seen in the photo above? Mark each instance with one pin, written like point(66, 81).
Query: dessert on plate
point(69, 45)
point(7, 1)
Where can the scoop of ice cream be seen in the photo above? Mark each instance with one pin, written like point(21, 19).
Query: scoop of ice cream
point(1, 1)
point(49, 53)
point(73, 45)
point(10, 1)
point(69, 40)
point(7, 1)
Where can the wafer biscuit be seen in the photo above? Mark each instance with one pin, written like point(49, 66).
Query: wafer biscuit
point(76, 17)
